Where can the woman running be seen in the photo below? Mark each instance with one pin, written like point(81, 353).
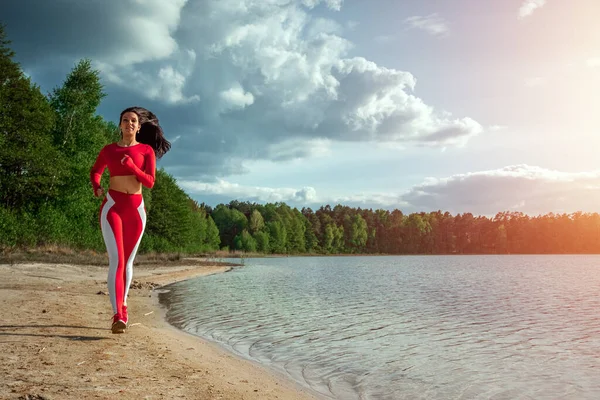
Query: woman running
point(131, 163)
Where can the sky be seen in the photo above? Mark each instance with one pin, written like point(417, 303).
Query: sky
point(418, 105)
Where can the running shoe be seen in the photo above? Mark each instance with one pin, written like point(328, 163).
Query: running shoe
point(124, 315)
point(118, 325)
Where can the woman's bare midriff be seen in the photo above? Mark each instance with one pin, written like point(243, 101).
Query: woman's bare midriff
point(125, 184)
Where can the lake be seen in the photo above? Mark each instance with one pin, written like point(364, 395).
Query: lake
point(408, 327)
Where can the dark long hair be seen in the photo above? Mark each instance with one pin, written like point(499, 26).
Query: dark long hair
point(150, 131)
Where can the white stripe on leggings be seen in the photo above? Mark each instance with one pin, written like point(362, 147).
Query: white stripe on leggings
point(129, 265)
point(112, 250)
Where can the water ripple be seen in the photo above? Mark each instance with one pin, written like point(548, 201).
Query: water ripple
point(477, 327)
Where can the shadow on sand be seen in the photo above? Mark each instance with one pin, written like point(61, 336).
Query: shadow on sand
point(8, 330)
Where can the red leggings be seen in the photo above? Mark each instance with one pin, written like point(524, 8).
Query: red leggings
point(122, 220)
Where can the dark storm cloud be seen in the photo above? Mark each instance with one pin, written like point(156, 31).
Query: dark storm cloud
point(43, 29)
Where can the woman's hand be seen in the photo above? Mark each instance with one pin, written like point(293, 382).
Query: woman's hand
point(128, 162)
point(99, 192)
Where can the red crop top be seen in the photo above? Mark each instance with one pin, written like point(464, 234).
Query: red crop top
point(141, 163)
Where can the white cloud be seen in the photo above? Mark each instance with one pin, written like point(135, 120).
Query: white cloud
point(370, 200)
point(529, 189)
point(305, 195)
point(294, 149)
point(235, 97)
point(529, 6)
point(147, 32)
point(432, 24)
point(449, 131)
point(332, 4)
point(298, 197)
point(170, 86)
point(534, 190)
point(250, 193)
point(379, 106)
point(303, 85)
point(165, 81)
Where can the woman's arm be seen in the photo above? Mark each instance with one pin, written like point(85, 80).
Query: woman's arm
point(145, 177)
point(96, 173)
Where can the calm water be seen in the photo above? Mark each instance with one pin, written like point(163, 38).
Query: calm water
point(472, 327)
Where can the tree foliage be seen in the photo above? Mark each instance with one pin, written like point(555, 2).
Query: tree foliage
point(346, 230)
point(47, 147)
point(29, 163)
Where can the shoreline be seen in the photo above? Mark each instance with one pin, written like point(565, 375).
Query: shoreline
point(55, 342)
point(306, 392)
point(221, 348)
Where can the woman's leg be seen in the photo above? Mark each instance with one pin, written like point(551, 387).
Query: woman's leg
point(133, 229)
point(111, 224)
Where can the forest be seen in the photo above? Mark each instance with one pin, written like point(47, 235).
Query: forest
point(48, 143)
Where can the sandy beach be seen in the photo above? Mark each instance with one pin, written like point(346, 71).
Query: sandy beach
point(55, 342)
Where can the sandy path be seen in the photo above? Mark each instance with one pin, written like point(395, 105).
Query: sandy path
point(55, 342)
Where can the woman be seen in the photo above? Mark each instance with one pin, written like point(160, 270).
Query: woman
point(131, 163)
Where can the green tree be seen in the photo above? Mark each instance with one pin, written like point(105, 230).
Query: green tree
point(328, 238)
point(262, 241)
point(198, 228)
point(416, 227)
point(78, 130)
point(296, 235)
point(230, 222)
point(310, 238)
point(355, 229)
point(212, 240)
point(79, 134)
point(338, 239)
point(29, 163)
point(170, 218)
point(256, 222)
point(333, 238)
point(245, 242)
point(278, 237)
point(312, 230)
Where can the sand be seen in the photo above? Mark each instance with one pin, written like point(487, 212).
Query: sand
point(55, 342)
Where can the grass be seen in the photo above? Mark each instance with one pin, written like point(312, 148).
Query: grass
point(61, 255)
point(51, 254)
